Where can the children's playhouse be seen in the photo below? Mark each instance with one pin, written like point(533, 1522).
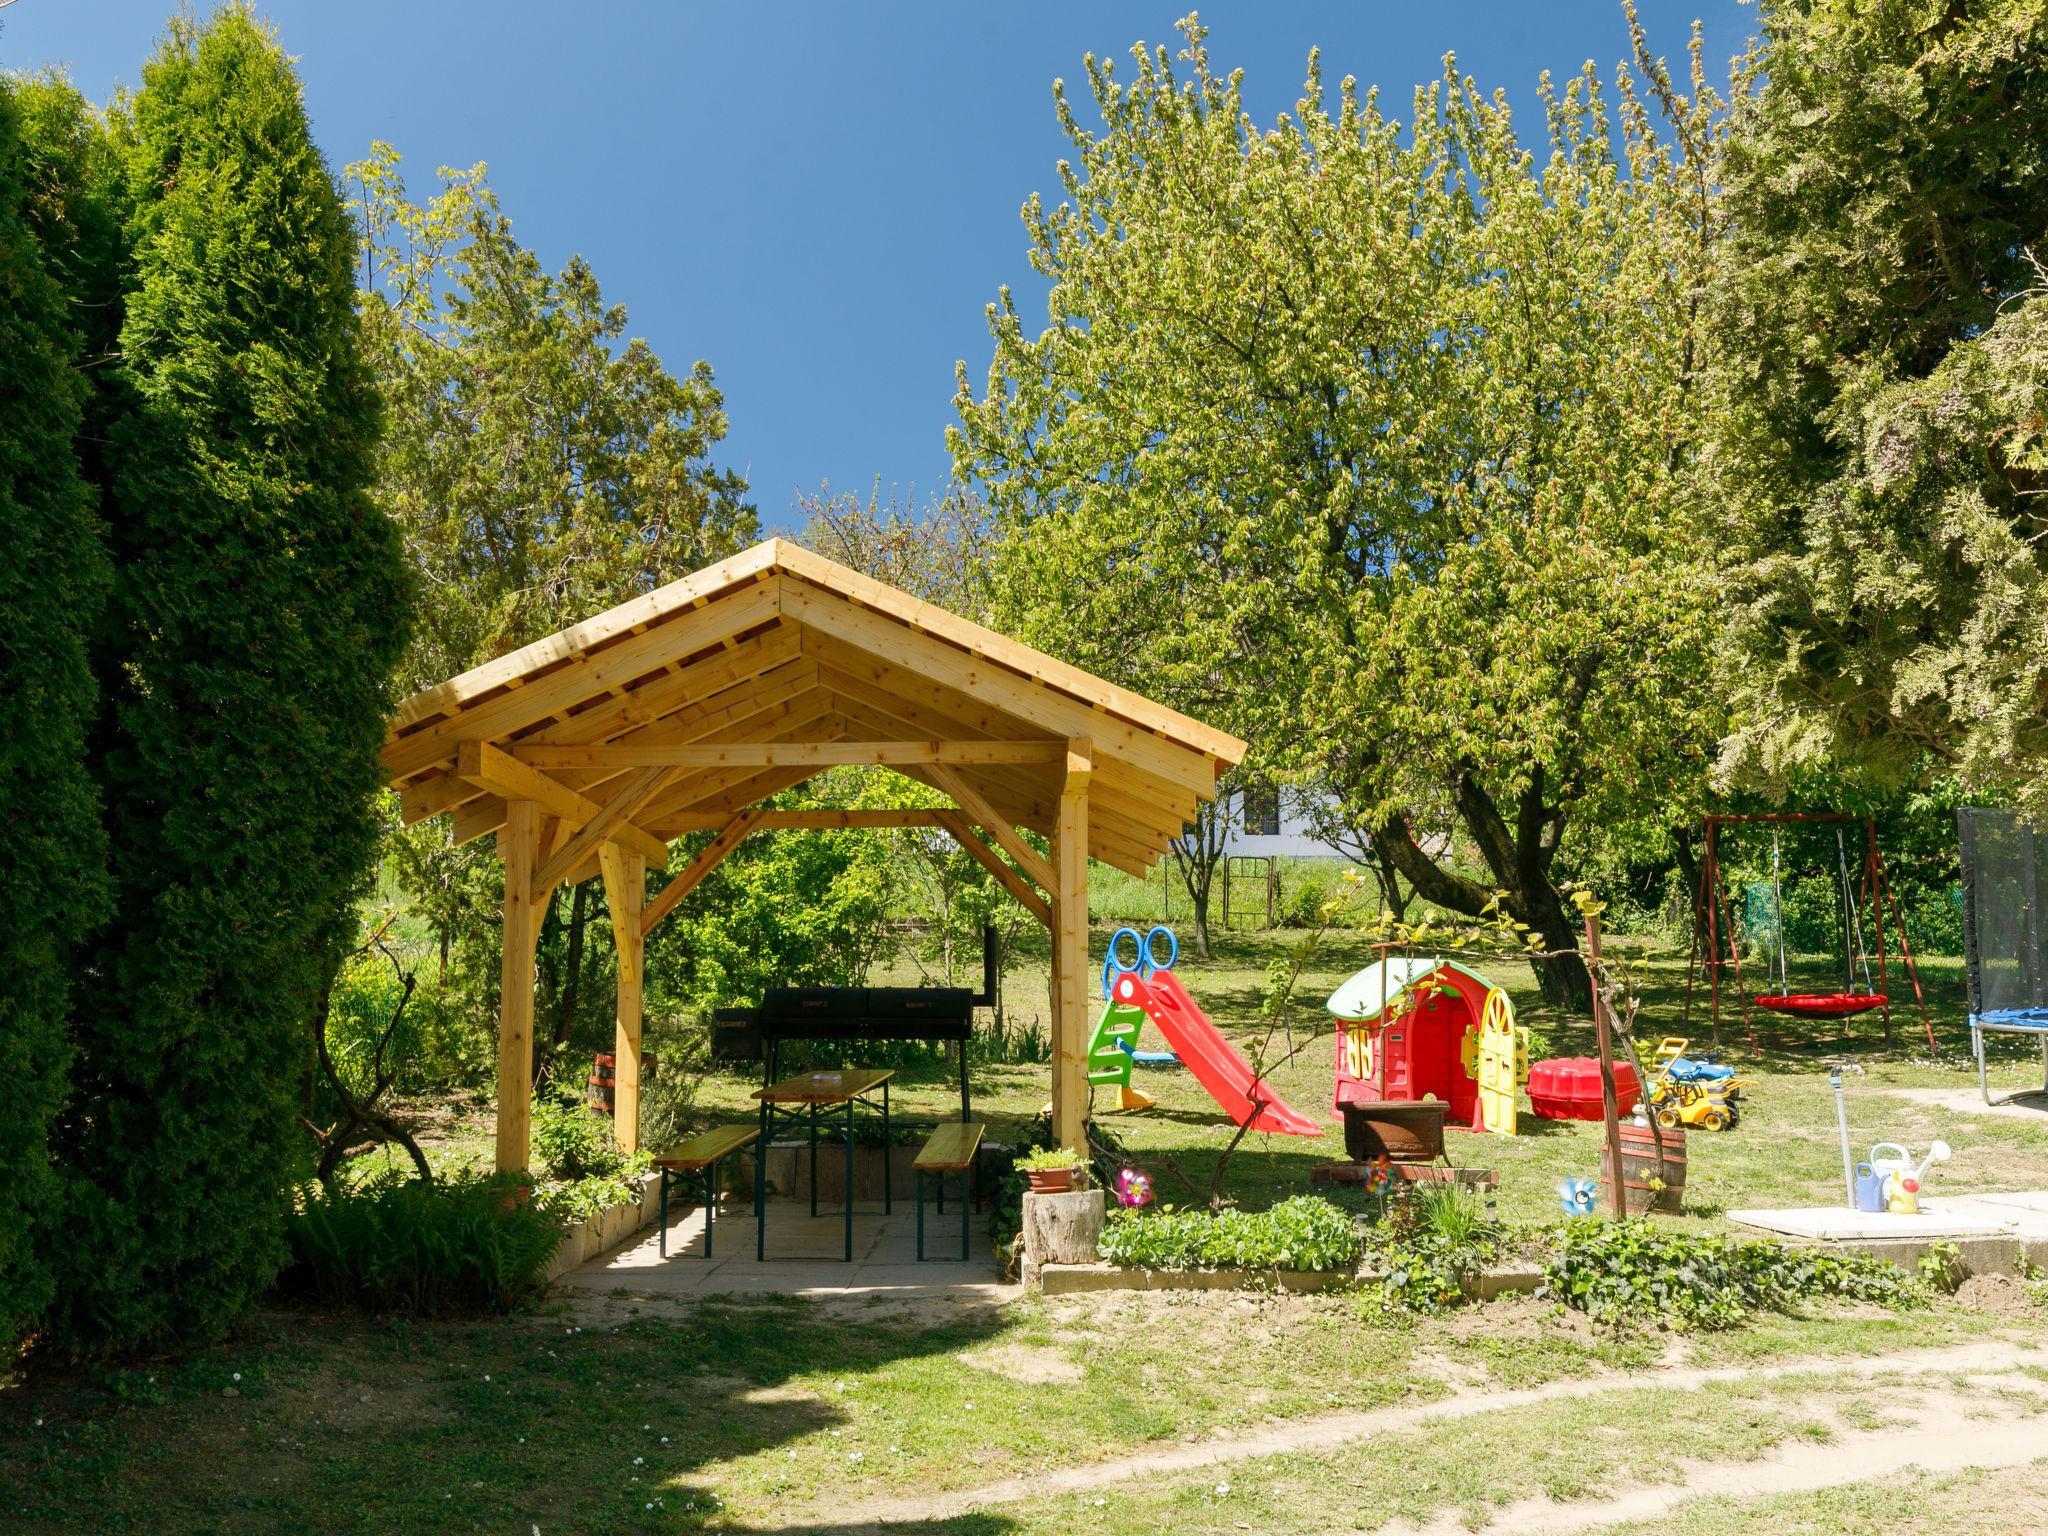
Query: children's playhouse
point(1411, 1028)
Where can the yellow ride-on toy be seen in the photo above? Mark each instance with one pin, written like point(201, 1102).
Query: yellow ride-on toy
point(1686, 1091)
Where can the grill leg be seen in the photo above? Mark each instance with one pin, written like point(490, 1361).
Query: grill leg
point(848, 1202)
point(761, 1188)
point(887, 1149)
point(710, 1202)
point(814, 1159)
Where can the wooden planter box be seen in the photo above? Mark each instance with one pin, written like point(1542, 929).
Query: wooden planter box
point(1400, 1130)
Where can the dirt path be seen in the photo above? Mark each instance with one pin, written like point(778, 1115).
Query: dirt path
point(1830, 1464)
point(1947, 1434)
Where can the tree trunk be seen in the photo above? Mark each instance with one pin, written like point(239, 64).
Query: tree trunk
point(572, 968)
point(1521, 868)
point(1196, 853)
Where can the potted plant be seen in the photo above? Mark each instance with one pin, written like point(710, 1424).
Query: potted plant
point(1054, 1170)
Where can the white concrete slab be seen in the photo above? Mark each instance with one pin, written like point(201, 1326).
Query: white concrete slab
point(2018, 1213)
point(805, 1256)
point(2029, 1104)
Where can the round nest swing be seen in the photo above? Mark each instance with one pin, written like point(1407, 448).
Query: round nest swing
point(1822, 1005)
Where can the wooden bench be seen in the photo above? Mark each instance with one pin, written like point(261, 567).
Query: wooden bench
point(702, 1153)
point(951, 1149)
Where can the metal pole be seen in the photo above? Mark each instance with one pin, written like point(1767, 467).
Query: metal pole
point(1609, 1105)
point(1842, 1121)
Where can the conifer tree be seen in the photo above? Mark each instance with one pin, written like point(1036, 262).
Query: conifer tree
point(53, 577)
point(257, 613)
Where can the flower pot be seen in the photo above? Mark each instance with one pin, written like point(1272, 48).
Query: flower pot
point(1053, 1181)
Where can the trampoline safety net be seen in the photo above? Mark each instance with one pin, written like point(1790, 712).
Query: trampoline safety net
point(2001, 912)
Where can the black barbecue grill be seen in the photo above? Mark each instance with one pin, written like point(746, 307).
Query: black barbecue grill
point(937, 1014)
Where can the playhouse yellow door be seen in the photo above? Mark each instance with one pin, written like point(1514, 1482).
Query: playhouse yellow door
point(1502, 1061)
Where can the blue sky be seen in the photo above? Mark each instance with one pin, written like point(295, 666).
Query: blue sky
point(818, 199)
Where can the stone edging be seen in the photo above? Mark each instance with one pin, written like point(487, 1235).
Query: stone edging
point(1074, 1279)
point(597, 1235)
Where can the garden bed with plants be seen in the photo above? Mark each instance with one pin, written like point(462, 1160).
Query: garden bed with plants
point(1433, 1248)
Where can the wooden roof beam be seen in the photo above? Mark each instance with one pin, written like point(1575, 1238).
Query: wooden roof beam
point(788, 754)
point(578, 675)
point(610, 817)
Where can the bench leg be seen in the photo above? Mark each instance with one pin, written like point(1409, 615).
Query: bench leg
point(887, 1149)
point(966, 1207)
point(664, 1213)
point(710, 1202)
point(814, 1158)
point(919, 1176)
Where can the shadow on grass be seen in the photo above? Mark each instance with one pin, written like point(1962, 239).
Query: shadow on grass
point(312, 1421)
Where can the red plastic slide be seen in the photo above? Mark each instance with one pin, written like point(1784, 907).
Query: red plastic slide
point(1215, 1063)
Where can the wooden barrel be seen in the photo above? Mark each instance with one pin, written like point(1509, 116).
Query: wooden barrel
point(603, 1082)
point(1647, 1184)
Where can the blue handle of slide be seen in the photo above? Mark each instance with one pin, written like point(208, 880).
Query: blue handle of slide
point(1148, 959)
point(1152, 960)
point(1113, 967)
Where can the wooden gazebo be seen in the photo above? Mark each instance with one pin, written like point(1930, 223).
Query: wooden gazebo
point(586, 753)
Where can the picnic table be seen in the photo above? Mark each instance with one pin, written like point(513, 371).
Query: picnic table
point(800, 1098)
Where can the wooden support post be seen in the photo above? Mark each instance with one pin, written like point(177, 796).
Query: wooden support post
point(518, 850)
point(1610, 1111)
point(1070, 954)
point(625, 890)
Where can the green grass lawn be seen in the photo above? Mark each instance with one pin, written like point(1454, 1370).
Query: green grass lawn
point(775, 1414)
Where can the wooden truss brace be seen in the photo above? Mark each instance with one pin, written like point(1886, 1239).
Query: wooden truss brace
point(995, 824)
point(691, 875)
point(604, 826)
point(958, 823)
point(497, 773)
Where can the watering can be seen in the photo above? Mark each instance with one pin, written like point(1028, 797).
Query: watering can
point(1891, 1180)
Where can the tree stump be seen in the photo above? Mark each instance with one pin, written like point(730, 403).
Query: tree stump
point(1061, 1229)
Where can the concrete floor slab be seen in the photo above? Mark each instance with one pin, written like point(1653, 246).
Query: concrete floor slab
point(2018, 1213)
point(2028, 1105)
point(804, 1257)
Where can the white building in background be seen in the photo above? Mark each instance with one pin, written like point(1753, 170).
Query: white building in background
point(1278, 822)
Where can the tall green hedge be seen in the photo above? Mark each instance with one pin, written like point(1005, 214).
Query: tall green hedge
point(256, 616)
point(53, 578)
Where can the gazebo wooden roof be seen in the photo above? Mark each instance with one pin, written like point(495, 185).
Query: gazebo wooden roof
point(680, 711)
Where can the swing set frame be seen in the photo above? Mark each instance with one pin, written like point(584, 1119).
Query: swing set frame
point(1714, 950)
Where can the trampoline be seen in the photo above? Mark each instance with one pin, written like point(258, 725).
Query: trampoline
point(2002, 957)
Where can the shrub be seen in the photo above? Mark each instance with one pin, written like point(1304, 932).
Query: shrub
point(437, 1044)
point(53, 579)
point(1432, 1237)
point(468, 1243)
point(1633, 1271)
point(572, 1141)
point(258, 609)
point(1300, 1233)
point(668, 1100)
point(1305, 903)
